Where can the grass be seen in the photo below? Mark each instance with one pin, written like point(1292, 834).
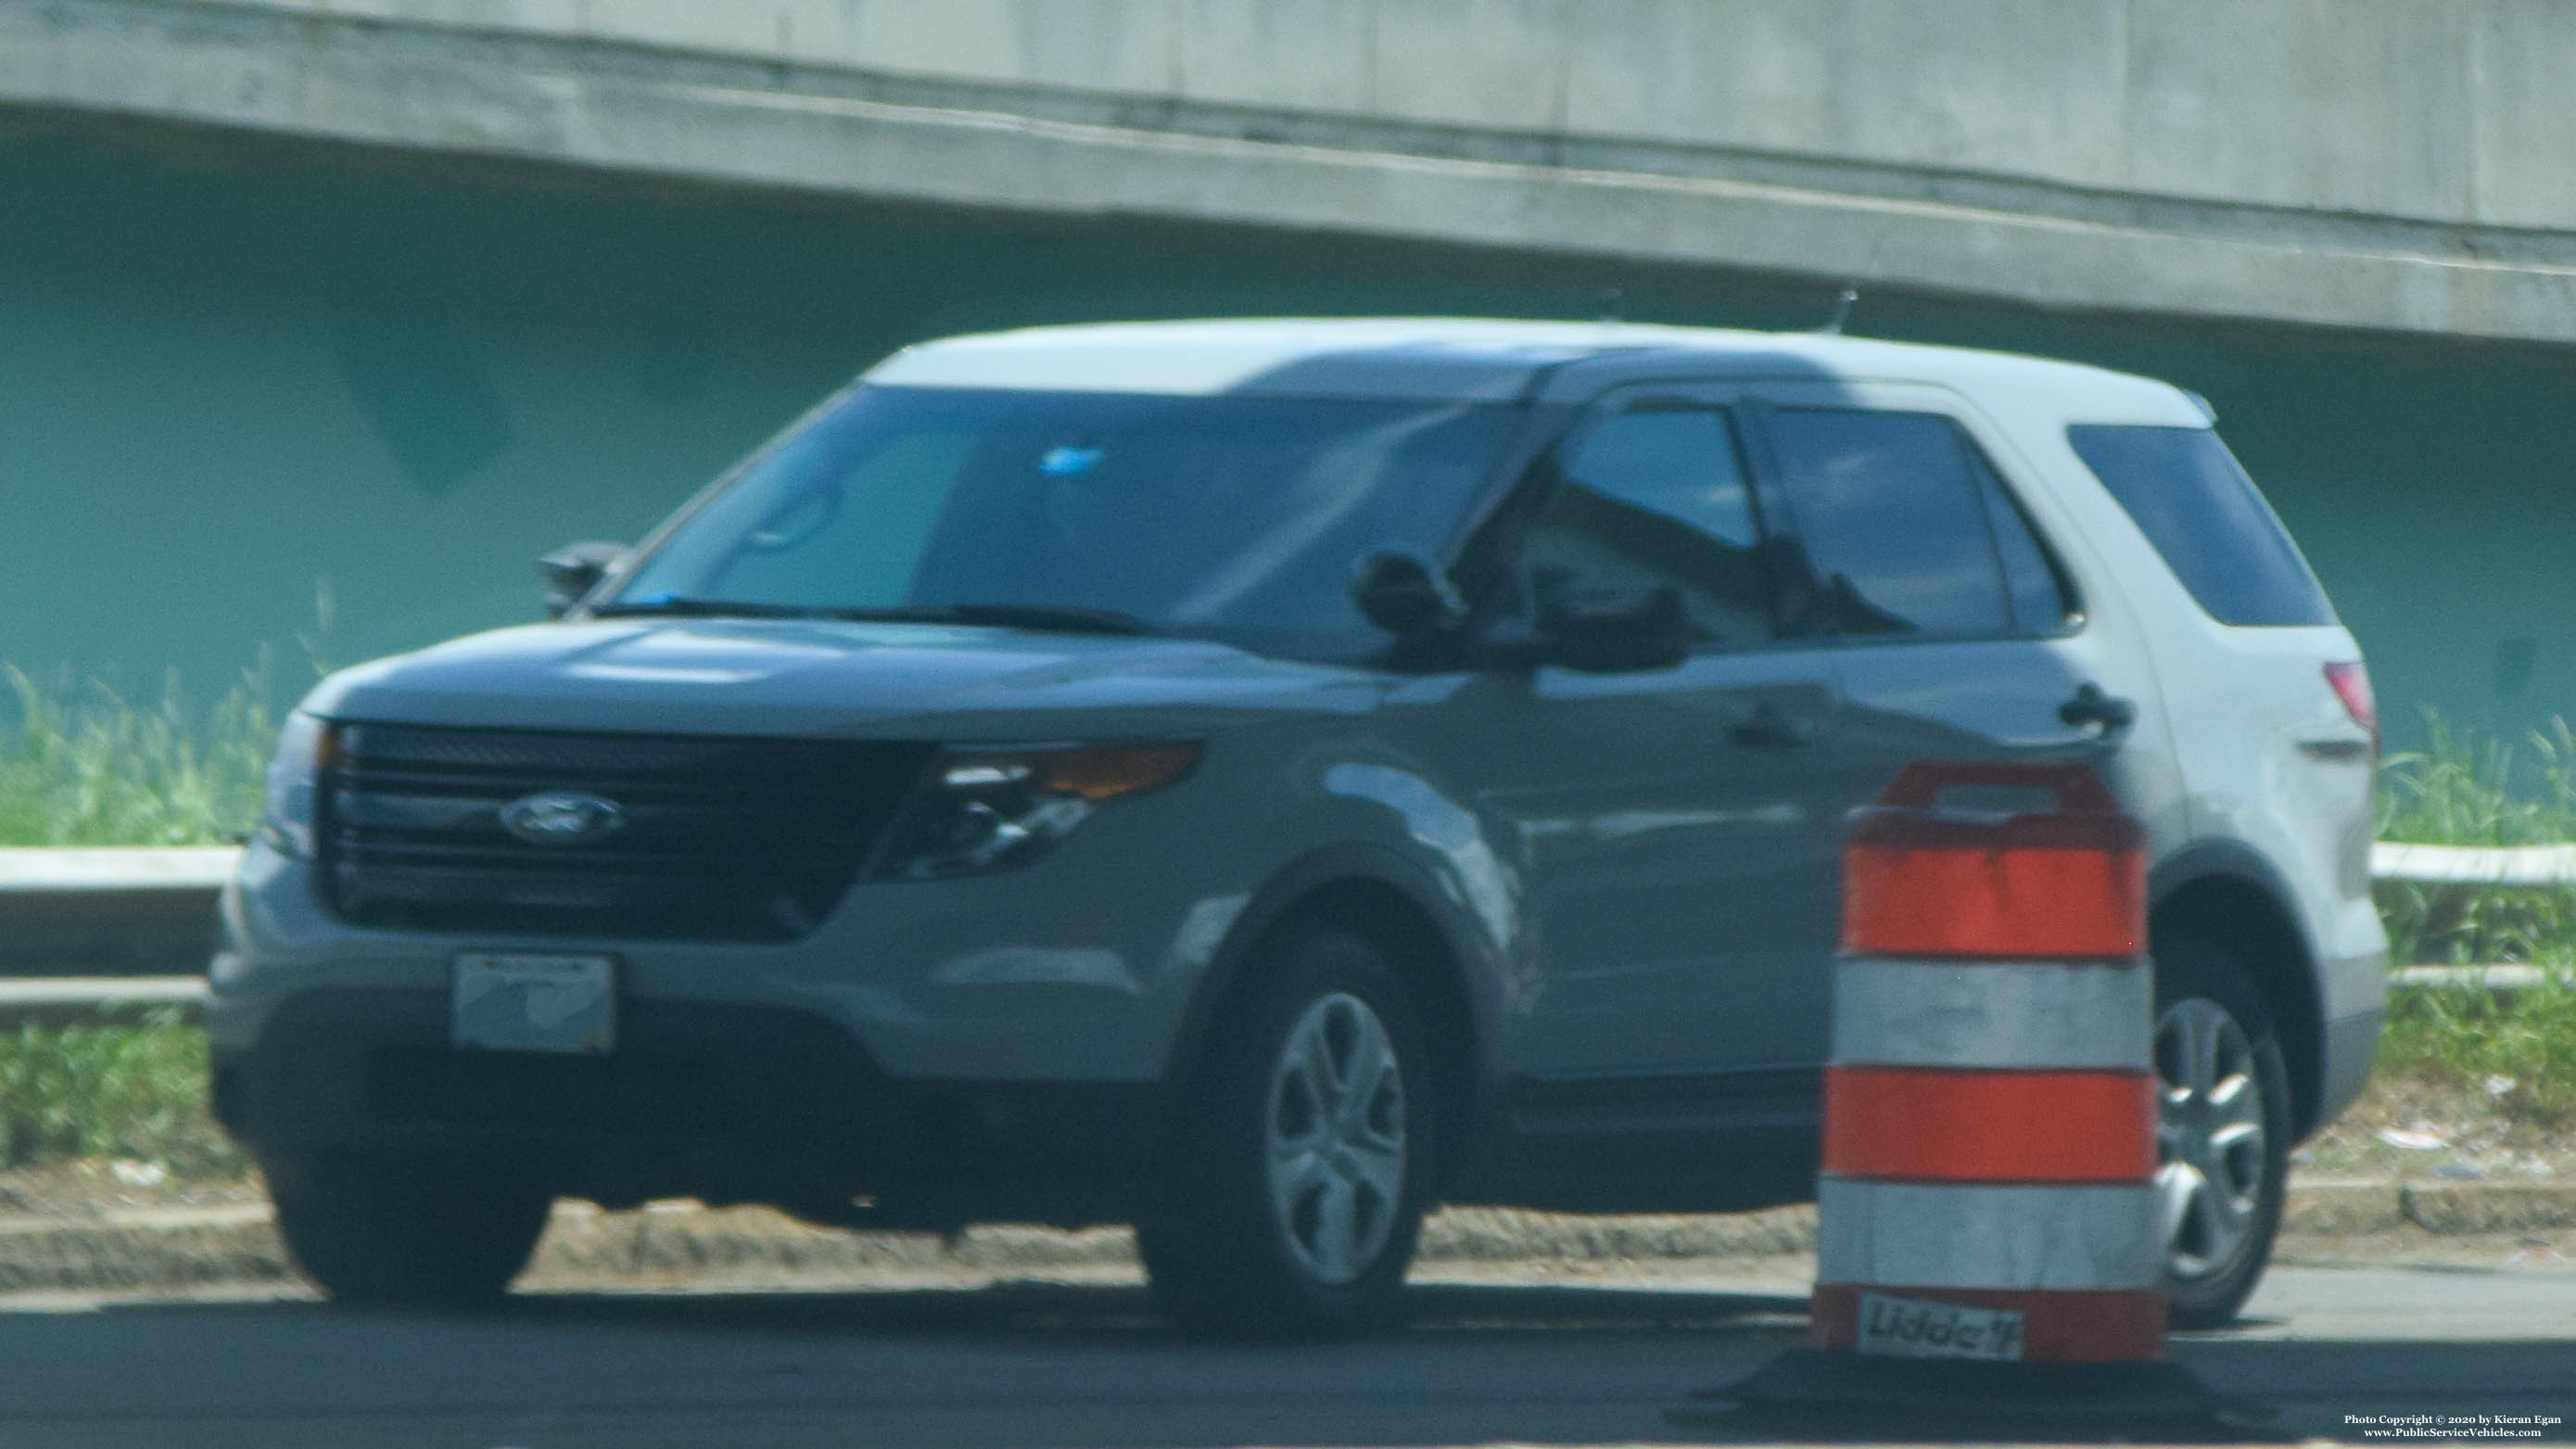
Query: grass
point(110, 1090)
point(2472, 791)
point(2469, 790)
point(2507, 1060)
point(2517, 1050)
point(84, 767)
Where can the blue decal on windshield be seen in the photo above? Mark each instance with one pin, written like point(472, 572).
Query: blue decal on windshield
point(1068, 462)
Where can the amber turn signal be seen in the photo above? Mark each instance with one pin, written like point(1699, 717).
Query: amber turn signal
point(1105, 772)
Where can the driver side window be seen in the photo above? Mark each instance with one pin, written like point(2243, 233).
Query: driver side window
point(1658, 495)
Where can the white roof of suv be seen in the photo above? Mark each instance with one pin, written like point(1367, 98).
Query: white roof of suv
point(1471, 358)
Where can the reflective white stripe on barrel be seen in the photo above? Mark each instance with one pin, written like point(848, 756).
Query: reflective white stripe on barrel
point(1981, 1235)
point(2035, 1014)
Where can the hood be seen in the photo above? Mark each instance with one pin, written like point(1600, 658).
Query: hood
point(795, 677)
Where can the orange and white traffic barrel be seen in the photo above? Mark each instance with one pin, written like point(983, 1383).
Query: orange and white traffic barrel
point(1990, 1112)
point(1987, 1233)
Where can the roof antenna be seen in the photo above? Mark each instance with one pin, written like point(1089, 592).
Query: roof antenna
point(1842, 312)
point(1614, 305)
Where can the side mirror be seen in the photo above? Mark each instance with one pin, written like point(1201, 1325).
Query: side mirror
point(574, 571)
point(1614, 628)
point(1407, 596)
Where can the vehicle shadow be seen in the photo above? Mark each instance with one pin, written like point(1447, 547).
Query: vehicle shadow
point(2267, 1389)
point(1058, 1365)
point(1038, 1309)
point(2237, 1391)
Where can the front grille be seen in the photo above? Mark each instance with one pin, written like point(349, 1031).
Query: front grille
point(720, 839)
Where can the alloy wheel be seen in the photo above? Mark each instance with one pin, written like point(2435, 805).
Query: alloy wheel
point(2209, 1136)
point(1335, 1139)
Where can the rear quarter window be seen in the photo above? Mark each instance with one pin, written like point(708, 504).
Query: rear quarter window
point(2206, 518)
point(1888, 507)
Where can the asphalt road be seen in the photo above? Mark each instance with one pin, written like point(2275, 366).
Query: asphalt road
point(1590, 1361)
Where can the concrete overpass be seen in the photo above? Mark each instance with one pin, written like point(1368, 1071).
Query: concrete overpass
point(2384, 164)
point(374, 300)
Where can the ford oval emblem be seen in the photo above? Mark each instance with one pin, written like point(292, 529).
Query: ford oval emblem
point(562, 817)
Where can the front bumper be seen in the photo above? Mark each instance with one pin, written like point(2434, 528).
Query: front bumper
point(996, 1046)
point(725, 1103)
point(343, 1066)
point(1072, 971)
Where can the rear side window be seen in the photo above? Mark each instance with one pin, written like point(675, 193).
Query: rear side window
point(2203, 514)
point(1895, 530)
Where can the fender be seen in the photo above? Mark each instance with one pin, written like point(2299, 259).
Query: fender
point(2232, 859)
point(1480, 970)
point(2240, 864)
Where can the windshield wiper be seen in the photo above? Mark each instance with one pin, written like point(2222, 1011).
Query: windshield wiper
point(1053, 618)
point(689, 608)
point(1058, 618)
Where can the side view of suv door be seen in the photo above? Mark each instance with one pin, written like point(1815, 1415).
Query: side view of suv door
point(1862, 590)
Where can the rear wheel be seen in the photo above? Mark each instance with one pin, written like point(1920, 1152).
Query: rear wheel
point(1297, 1188)
point(2222, 1131)
point(403, 1229)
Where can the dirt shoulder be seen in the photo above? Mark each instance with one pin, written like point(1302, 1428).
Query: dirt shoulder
point(2409, 1130)
point(2412, 1174)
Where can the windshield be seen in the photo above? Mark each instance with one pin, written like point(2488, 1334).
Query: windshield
point(1239, 518)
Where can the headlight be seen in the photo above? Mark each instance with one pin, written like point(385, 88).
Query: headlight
point(984, 810)
point(286, 805)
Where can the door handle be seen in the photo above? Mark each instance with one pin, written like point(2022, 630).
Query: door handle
point(2091, 706)
point(1771, 727)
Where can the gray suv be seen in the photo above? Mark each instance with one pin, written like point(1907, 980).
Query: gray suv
point(1256, 780)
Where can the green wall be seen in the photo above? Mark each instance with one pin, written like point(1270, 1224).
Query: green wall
point(235, 372)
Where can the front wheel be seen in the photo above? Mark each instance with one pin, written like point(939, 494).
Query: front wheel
point(1297, 1187)
point(403, 1230)
point(2222, 1131)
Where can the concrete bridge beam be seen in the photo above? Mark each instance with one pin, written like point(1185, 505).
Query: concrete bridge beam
point(2378, 164)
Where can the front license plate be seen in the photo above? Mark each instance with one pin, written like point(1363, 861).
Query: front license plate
point(517, 1001)
point(1915, 1328)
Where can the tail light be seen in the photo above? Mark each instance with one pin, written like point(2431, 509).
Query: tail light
point(2352, 685)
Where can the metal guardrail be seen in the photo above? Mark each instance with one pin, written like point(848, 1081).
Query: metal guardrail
point(117, 868)
point(68, 1000)
point(92, 928)
point(110, 911)
point(92, 933)
point(2501, 980)
point(2474, 865)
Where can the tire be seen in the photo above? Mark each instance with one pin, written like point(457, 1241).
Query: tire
point(1296, 1189)
point(2222, 1131)
point(406, 1231)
